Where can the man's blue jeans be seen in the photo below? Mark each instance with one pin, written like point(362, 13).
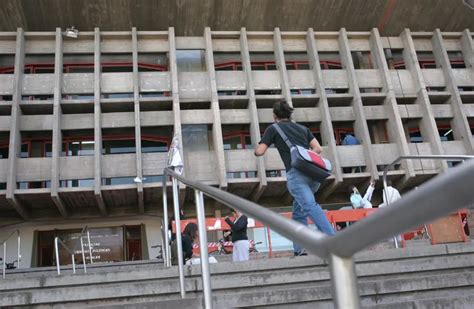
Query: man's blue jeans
point(302, 188)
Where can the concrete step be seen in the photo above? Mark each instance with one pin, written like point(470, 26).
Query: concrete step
point(384, 277)
point(374, 293)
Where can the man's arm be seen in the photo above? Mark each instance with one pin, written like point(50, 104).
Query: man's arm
point(315, 146)
point(261, 149)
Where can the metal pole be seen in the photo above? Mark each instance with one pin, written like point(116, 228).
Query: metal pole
point(206, 277)
point(73, 264)
point(19, 250)
point(178, 237)
point(4, 258)
point(165, 250)
point(83, 256)
point(344, 282)
point(90, 247)
point(57, 255)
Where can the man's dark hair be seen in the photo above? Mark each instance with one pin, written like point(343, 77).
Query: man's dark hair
point(350, 189)
point(191, 230)
point(282, 110)
point(389, 183)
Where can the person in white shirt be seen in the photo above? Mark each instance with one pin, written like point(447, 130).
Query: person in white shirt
point(358, 201)
point(390, 195)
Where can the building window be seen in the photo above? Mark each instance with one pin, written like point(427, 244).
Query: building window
point(362, 60)
point(330, 60)
point(4, 151)
point(190, 60)
point(456, 59)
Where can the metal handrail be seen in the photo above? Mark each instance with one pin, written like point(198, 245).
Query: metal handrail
point(84, 233)
point(58, 242)
point(5, 251)
point(414, 157)
point(436, 198)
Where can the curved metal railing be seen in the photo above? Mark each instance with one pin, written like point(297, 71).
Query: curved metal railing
point(436, 198)
point(84, 233)
point(4, 243)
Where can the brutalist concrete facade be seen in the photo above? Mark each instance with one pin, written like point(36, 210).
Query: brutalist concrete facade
point(386, 90)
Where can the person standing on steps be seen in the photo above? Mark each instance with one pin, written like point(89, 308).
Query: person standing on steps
point(239, 237)
point(300, 186)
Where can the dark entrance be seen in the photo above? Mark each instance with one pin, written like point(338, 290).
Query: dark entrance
point(109, 244)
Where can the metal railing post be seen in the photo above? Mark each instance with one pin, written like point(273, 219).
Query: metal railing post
point(73, 264)
point(178, 237)
point(4, 258)
point(206, 277)
point(19, 252)
point(56, 250)
point(89, 243)
point(83, 256)
point(165, 250)
point(344, 282)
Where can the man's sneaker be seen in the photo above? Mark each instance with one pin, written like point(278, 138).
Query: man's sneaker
point(301, 253)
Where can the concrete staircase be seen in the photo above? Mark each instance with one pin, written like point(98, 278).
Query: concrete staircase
point(421, 276)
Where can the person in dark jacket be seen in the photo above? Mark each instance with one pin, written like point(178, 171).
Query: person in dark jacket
point(187, 239)
point(239, 237)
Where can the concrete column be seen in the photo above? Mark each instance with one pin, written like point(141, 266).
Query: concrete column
point(428, 127)
point(281, 66)
point(138, 135)
point(254, 124)
point(98, 126)
point(360, 127)
point(460, 125)
point(395, 128)
point(176, 107)
point(15, 136)
point(467, 46)
point(57, 134)
point(216, 127)
point(327, 130)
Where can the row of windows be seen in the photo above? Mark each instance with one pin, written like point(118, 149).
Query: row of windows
point(84, 146)
point(393, 62)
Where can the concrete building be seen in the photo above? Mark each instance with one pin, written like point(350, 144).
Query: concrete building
point(81, 118)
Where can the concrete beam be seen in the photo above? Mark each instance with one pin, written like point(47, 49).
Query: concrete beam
point(360, 127)
point(57, 133)
point(98, 127)
point(281, 66)
point(461, 129)
point(395, 126)
point(253, 113)
point(326, 127)
point(428, 127)
point(15, 136)
point(216, 127)
point(175, 95)
point(138, 135)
